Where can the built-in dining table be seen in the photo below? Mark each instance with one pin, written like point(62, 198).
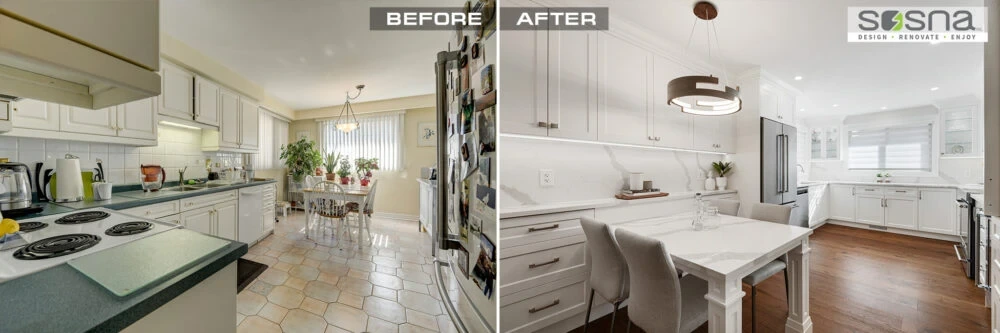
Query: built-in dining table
point(352, 192)
point(723, 256)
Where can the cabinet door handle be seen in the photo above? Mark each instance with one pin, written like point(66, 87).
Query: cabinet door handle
point(554, 303)
point(852, 191)
point(543, 124)
point(554, 226)
point(651, 138)
point(554, 260)
point(657, 138)
point(553, 125)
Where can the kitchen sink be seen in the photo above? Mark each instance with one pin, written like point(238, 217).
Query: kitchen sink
point(189, 188)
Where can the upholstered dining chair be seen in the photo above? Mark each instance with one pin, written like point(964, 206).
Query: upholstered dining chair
point(660, 300)
point(608, 271)
point(366, 208)
point(779, 214)
point(726, 206)
point(330, 203)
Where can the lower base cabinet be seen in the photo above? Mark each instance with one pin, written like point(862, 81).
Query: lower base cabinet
point(216, 220)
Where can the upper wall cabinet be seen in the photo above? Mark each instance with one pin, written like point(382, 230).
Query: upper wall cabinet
point(29, 113)
point(960, 131)
point(178, 91)
point(133, 120)
point(776, 103)
point(238, 125)
point(824, 143)
point(622, 100)
point(206, 96)
point(5, 124)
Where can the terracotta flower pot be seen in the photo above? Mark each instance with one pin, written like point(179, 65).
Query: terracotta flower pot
point(345, 180)
point(331, 177)
point(364, 181)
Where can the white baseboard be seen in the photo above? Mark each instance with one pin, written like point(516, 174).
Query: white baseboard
point(950, 238)
point(397, 216)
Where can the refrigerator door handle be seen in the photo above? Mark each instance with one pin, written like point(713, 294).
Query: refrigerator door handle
point(777, 144)
point(784, 164)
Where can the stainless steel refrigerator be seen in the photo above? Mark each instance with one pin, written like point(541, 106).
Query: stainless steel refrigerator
point(779, 169)
point(464, 239)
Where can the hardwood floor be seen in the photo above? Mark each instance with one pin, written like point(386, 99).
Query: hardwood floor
point(869, 281)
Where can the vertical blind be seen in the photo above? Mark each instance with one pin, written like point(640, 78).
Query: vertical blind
point(379, 136)
point(272, 135)
point(894, 148)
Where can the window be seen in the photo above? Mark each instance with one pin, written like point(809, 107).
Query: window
point(379, 136)
point(906, 148)
point(273, 134)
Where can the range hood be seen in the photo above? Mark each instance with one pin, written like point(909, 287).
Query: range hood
point(89, 54)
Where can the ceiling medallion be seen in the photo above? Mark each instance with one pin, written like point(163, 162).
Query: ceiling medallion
point(348, 120)
point(691, 93)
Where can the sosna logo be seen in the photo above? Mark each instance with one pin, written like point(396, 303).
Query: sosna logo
point(916, 24)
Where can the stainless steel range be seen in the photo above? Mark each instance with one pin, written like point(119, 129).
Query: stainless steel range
point(52, 240)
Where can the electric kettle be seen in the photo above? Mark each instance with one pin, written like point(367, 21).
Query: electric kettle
point(15, 186)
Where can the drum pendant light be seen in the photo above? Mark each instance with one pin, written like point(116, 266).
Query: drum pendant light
point(348, 121)
point(686, 91)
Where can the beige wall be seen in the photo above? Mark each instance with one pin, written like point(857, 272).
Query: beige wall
point(194, 60)
point(397, 190)
point(402, 103)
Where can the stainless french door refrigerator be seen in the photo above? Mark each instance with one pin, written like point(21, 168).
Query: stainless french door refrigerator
point(778, 166)
point(464, 232)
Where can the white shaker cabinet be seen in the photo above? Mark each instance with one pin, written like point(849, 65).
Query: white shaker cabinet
point(901, 212)
point(572, 84)
point(137, 119)
point(869, 209)
point(937, 211)
point(622, 104)
point(29, 113)
point(671, 126)
point(842, 203)
point(178, 91)
point(777, 104)
point(524, 102)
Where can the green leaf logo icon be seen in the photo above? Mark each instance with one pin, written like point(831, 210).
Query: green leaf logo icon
point(899, 22)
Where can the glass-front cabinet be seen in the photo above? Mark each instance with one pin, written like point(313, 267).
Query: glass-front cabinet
point(960, 134)
point(824, 143)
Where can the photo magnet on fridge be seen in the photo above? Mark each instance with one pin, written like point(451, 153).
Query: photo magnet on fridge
point(484, 272)
point(487, 195)
point(486, 75)
point(463, 261)
point(486, 125)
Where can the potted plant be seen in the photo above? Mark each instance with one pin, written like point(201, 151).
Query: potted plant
point(301, 158)
point(722, 169)
point(364, 168)
point(331, 165)
point(878, 178)
point(344, 171)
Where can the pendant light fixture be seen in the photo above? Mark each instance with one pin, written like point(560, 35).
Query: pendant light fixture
point(348, 121)
point(685, 91)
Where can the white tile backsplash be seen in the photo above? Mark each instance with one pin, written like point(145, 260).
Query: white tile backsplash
point(177, 148)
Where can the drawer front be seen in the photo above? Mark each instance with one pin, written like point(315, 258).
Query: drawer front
point(868, 190)
point(173, 219)
point(727, 196)
point(155, 211)
point(902, 192)
point(538, 264)
point(541, 232)
point(539, 311)
point(207, 200)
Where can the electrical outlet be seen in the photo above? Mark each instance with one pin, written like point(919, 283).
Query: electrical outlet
point(546, 178)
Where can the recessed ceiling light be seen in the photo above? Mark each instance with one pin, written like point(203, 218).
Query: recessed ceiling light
point(798, 78)
point(934, 88)
point(883, 108)
point(836, 105)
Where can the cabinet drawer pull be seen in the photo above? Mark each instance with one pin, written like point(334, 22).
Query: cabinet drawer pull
point(555, 260)
point(869, 189)
point(553, 125)
point(554, 303)
point(543, 124)
point(898, 191)
point(554, 226)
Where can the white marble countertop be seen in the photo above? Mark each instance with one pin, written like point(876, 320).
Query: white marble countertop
point(519, 211)
point(974, 188)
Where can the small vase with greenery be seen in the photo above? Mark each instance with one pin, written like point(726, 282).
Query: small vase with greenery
point(722, 169)
point(331, 165)
point(301, 158)
point(344, 171)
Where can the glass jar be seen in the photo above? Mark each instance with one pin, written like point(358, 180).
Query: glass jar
point(710, 218)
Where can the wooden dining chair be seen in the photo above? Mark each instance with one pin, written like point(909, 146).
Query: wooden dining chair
point(779, 214)
point(726, 207)
point(329, 203)
point(608, 270)
point(366, 209)
point(660, 300)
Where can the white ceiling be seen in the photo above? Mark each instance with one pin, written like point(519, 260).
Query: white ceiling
point(307, 53)
point(808, 38)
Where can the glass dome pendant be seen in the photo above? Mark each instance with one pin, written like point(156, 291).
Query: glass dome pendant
point(697, 94)
point(348, 121)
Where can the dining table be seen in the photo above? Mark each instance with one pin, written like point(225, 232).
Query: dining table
point(352, 193)
point(725, 254)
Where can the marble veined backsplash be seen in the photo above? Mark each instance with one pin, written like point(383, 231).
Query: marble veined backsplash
point(590, 171)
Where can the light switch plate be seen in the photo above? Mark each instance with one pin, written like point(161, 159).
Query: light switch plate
point(546, 178)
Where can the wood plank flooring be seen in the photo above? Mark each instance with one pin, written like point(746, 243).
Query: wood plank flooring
point(869, 281)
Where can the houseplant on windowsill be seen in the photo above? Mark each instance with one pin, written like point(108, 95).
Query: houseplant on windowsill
point(722, 169)
point(301, 158)
point(344, 171)
point(364, 168)
point(331, 166)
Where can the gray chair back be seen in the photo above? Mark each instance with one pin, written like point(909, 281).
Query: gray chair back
point(779, 214)
point(608, 270)
point(656, 304)
point(726, 207)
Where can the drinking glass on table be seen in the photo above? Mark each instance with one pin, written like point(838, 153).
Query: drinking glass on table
point(710, 217)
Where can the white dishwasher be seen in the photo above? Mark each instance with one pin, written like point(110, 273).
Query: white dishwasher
point(251, 224)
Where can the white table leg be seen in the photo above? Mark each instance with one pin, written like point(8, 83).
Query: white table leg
point(725, 305)
point(308, 198)
point(798, 286)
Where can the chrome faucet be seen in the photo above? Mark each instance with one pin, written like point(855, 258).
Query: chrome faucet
point(181, 172)
point(801, 168)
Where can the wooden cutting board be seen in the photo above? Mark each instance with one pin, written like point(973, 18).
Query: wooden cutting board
point(133, 266)
point(636, 197)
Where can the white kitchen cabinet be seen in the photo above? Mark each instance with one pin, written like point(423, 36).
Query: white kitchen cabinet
point(819, 206)
point(525, 104)
point(172, 219)
point(901, 212)
point(80, 120)
point(428, 205)
point(842, 202)
point(226, 219)
point(713, 133)
point(623, 109)
point(776, 103)
point(269, 194)
point(206, 96)
point(572, 84)
point(137, 119)
point(177, 97)
point(229, 122)
point(29, 113)
point(869, 209)
point(671, 126)
point(937, 211)
point(5, 123)
point(249, 123)
point(960, 131)
point(199, 219)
